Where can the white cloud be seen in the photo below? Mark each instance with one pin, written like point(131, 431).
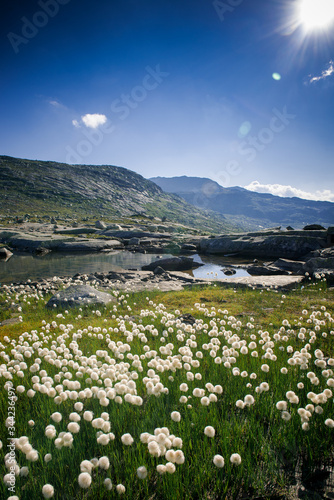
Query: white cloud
point(94, 120)
point(289, 191)
point(325, 73)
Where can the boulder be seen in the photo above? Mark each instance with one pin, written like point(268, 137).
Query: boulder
point(173, 264)
point(79, 295)
point(41, 251)
point(314, 227)
point(229, 271)
point(187, 319)
point(134, 241)
point(314, 265)
point(327, 252)
point(159, 271)
point(266, 271)
point(188, 248)
point(294, 266)
point(126, 235)
point(99, 224)
point(5, 254)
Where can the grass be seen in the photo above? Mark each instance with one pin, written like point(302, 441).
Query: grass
point(141, 341)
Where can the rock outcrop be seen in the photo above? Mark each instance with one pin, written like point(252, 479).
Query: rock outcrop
point(79, 295)
point(58, 243)
point(267, 244)
point(294, 266)
point(173, 264)
point(266, 271)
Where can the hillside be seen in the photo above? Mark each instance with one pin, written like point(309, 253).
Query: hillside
point(43, 188)
point(237, 203)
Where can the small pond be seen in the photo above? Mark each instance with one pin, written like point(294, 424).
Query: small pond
point(21, 267)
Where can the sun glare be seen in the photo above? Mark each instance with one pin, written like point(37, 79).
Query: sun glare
point(316, 14)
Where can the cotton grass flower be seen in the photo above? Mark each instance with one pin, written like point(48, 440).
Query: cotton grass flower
point(219, 461)
point(108, 484)
point(74, 417)
point(78, 406)
point(104, 463)
point(249, 400)
point(120, 488)
point(142, 472)
point(103, 439)
point(161, 469)
point(56, 417)
point(84, 480)
point(50, 432)
point(73, 427)
point(209, 431)
point(48, 491)
point(24, 471)
point(170, 468)
point(235, 459)
point(127, 439)
point(32, 456)
point(179, 457)
point(281, 405)
point(175, 416)
point(88, 416)
point(86, 466)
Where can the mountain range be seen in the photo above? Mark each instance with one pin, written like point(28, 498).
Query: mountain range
point(85, 192)
point(59, 190)
point(241, 205)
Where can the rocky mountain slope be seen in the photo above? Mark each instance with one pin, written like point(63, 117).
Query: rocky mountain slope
point(238, 203)
point(41, 188)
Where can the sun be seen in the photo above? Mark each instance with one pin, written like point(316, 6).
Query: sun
point(316, 14)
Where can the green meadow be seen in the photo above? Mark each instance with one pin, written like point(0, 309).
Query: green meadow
point(208, 393)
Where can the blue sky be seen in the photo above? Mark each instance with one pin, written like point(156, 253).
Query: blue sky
point(239, 91)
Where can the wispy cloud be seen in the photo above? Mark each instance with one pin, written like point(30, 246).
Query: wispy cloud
point(56, 104)
point(289, 191)
point(92, 120)
point(325, 73)
point(76, 123)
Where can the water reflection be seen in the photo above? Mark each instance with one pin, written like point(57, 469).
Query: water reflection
point(21, 267)
point(214, 265)
point(25, 266)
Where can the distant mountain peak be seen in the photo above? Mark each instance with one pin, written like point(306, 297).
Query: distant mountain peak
point(262, 208)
